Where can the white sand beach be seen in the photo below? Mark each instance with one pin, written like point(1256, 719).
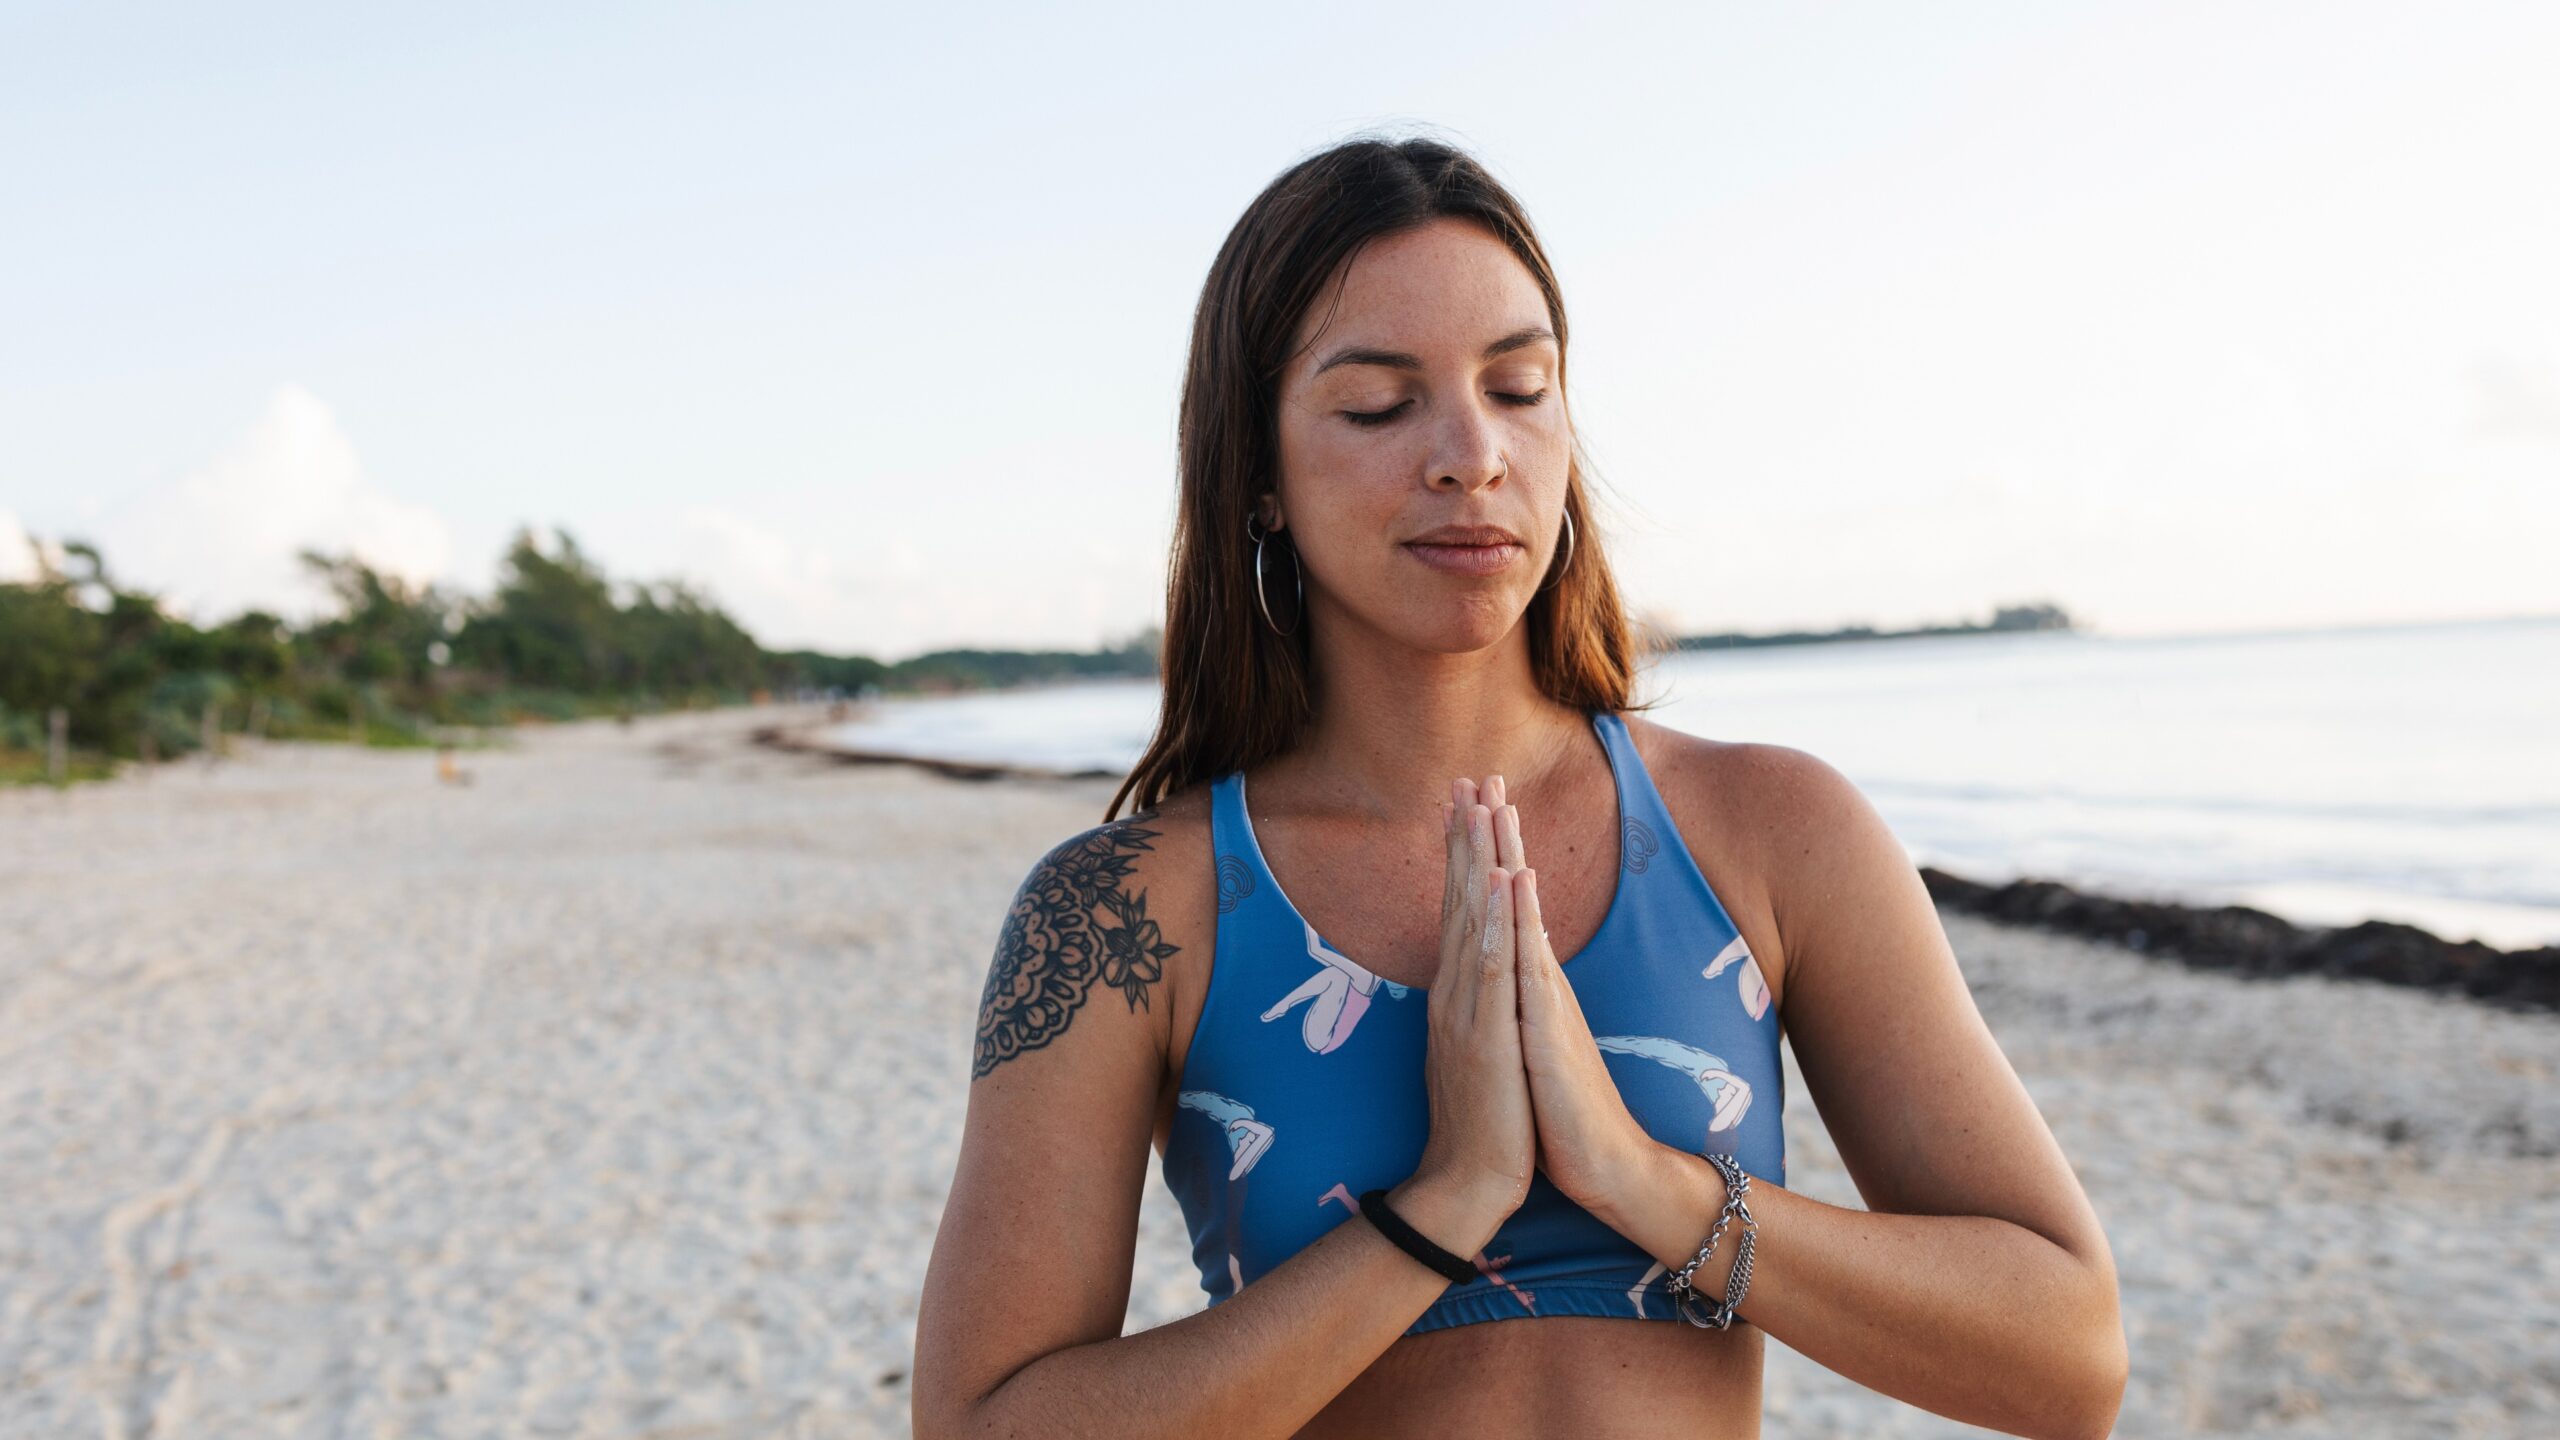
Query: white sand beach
point(615, 1093)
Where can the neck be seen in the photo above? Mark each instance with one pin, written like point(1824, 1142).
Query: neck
point(1394, 725)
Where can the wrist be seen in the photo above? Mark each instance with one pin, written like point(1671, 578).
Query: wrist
point(1657, 1186)
point(1449, 1215)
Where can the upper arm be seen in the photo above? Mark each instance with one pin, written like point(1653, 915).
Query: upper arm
point(1928, 1114)
point(1038, 1235)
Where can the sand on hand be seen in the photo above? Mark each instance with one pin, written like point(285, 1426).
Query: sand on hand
point(616, 1093)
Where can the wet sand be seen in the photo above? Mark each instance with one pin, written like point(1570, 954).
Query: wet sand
point(615, 1094)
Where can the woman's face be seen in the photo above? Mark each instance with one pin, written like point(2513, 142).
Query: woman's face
point(1424, 441)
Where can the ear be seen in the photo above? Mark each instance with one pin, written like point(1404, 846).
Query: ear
point(1267, 512)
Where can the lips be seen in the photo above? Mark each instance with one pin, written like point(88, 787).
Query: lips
point(1467, 549)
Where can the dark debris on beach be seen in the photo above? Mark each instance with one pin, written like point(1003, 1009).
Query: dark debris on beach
point(2239, 940)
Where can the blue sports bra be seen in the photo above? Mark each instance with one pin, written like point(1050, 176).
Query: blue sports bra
point(1303, 1087)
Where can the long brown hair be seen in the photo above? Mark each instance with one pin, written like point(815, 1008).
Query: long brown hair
point(1235, 690)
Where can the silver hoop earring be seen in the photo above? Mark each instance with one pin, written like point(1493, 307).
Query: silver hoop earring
point(1264, 600)
point(1568, 553)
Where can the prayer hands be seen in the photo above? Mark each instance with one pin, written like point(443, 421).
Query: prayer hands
point(1588, 1144)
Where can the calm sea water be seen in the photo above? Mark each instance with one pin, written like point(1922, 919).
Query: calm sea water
point(2408, 773)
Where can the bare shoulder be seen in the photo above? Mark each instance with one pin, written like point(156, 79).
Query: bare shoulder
point(1112, 915)
point(1763, 819)
point(1750, 781)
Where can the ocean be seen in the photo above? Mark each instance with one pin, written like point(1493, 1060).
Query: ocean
point(2406, 772)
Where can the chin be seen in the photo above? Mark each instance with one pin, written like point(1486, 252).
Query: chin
point(1460, 630)
point(1440, 620)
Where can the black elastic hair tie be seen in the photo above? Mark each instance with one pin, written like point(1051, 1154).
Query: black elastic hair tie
point(1413, 1242)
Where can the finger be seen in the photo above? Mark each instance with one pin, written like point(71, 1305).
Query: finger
point(1496, 955)
point(1506, 839)
point(1453, 898)
point(1558, 1003)
point(1470, 938)
point(1463, 857)
point(1535, 955)
point(1468, 799)
point(1497, 792)
point(1454, 879)
point(1479, 856)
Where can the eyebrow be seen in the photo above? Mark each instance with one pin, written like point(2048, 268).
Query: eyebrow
point(1521, 338)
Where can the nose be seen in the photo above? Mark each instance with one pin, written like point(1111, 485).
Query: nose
point(1466, 453)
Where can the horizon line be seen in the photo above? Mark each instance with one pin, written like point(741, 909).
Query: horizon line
point(2342, 627)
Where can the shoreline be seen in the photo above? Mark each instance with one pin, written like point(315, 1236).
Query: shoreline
point(2236, 940)
point(800, 740)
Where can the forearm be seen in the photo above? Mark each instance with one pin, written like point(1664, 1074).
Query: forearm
point(1262, 1362)
point(1970, 1317)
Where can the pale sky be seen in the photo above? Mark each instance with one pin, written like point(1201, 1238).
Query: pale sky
point(2189, 317)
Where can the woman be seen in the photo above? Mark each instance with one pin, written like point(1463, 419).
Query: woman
point(1409, 1084)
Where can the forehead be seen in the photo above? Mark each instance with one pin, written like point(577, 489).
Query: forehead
point(1448, 283)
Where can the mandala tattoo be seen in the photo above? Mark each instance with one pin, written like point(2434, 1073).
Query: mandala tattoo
point(1073, 923)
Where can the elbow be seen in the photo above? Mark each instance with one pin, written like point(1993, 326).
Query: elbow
point(940, 1412)
point(2085, 1368)
point(2115, 1369)
point(2106, 1366)
point(2103, 1397)
point(929, 1420)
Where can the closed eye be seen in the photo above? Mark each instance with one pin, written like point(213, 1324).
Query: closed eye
point(1381, 417)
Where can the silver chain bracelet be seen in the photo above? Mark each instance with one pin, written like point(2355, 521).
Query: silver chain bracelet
point(1684, 1294)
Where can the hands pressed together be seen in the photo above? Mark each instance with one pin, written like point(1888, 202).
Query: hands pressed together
point(1516, 1081)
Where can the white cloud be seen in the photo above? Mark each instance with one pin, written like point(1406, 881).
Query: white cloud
point(17, 551)
point(225, 538)
point(785, 592)
point(881, 593)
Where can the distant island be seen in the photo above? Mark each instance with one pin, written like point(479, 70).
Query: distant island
point(948, 671)
point(2007, 618)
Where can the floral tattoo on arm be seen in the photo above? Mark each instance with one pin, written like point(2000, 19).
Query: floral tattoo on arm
point(1074, 922)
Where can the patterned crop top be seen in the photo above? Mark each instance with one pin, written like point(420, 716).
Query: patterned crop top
point(1303, 1087)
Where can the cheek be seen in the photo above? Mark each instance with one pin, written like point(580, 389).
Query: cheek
point(1542, 431)
point(1338, 481)
point(1343, 525)
point(1336, 455)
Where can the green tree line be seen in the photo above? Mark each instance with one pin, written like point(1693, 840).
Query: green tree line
point(389, 662)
